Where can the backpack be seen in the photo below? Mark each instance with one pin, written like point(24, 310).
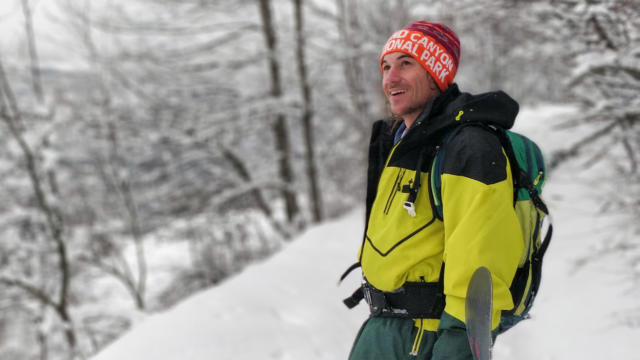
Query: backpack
point(528, 174)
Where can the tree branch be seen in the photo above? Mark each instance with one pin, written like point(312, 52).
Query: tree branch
point(561, 156)
point(32, 290)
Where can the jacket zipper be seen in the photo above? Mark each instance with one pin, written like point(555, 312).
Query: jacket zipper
point(386, 164)
point(394, 190)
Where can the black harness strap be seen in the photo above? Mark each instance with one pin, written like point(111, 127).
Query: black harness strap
point(415, 300)
point(349, 270)
point(355, 298)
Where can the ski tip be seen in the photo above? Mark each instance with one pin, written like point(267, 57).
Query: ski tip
point(482, 271)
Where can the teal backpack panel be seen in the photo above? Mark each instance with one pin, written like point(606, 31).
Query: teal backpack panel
point(530, 160)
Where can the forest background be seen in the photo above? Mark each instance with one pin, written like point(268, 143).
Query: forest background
point(228, 127)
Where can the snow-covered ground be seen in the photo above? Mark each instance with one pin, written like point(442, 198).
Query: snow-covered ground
point(289, 306)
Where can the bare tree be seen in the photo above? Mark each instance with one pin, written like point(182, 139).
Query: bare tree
point(280, 129)
point(58, 301)
point(120, 268)
point(349, 32)
point(112, 165)
point(307, 114)
point(607, 79)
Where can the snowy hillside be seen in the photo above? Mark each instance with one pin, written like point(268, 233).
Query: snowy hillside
point(289, 307)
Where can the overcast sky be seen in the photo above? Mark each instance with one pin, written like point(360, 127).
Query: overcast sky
point(11, 20)
point(49, 35)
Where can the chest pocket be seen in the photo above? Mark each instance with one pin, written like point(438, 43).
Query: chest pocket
point(396, 215)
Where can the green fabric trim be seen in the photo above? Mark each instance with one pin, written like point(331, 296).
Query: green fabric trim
point(452, 343)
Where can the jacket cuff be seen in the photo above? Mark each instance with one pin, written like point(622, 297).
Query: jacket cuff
point(456, 308)
point(452, 343)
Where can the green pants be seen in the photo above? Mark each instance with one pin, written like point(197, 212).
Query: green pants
point(397, 338)
point(392, 339)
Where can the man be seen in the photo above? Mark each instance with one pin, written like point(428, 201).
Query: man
point(417, 265)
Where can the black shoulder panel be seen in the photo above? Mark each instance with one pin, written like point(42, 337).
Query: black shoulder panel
point(476, 153)
point(379, 148)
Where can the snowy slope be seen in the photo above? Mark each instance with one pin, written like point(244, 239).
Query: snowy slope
point(289, 307)
point(579, 309)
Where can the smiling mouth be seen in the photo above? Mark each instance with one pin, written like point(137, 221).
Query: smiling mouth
point(397, 92)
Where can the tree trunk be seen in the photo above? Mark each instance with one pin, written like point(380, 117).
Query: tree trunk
point(137, 286)
point(347, 28)
point(33, 54)
point(42, 345)
point(281, 133)
point(307, 116)
point(69, 331)
point(138, 242)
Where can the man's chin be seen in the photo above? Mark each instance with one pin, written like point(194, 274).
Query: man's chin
point(407, 112)
point(401, 112)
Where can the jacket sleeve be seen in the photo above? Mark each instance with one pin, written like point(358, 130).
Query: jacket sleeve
point(481, 229)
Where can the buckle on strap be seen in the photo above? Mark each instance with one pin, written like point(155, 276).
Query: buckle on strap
point(413, 300)
point(375, 298)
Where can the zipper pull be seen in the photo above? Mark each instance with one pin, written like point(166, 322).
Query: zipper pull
point(410, 207)
point(537, 179)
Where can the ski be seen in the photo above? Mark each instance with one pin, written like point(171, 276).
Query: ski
point(478, 307)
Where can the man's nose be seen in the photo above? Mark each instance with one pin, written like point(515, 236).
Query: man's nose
point(392, 75)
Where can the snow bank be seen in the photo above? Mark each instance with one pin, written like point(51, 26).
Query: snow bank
point(288, 307)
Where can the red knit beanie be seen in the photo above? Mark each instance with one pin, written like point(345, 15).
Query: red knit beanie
point(433, 45)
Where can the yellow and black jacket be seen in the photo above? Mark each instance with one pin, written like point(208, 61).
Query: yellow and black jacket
point(480, 226)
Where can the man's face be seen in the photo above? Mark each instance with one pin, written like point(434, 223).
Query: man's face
point(407, 85)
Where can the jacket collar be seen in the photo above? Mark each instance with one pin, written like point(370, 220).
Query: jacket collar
point(453, 107)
